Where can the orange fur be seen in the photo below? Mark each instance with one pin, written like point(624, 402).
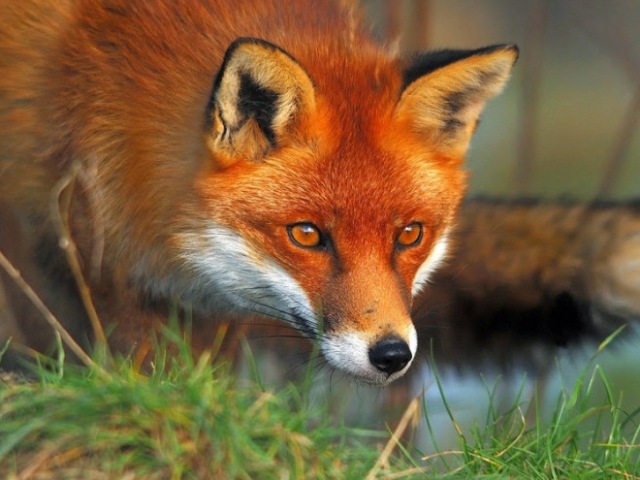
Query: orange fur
point(332, 135)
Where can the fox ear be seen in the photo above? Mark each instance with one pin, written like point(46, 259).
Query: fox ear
point(445, 93)
point(258, 95)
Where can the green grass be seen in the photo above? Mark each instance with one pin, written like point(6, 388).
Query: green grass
point(191, 418)
point(580, 441)
point(186, 419)
point(584, 435)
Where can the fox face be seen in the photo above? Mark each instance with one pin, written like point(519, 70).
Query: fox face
point(327, 197)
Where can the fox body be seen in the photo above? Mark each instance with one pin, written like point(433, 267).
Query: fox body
point(526, 277)
point(233, 157)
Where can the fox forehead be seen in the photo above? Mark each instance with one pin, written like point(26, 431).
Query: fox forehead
point(351, 165)
point(353, 185)
point(382, 189)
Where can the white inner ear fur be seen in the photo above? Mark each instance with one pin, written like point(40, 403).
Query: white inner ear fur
point(227, 96)
point(271, 69)
point(471, 82)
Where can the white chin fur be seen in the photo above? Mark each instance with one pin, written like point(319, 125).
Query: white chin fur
point(349, 352)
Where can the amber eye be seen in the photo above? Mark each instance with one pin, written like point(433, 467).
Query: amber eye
point(410, 236)
point(305, 235)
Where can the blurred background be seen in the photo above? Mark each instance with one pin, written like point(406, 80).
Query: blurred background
point(567, 123)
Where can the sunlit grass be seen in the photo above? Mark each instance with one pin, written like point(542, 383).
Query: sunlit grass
point(186, 418)
point(578, 439)
point(189, 417)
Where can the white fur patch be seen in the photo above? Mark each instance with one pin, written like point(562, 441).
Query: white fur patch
point(434, 260)
point(413, 341)
point(232, 274)
point(349, 352)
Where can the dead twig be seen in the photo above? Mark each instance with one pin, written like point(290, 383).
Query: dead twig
point(46, 313)
point(60, 206)
point(410, 416)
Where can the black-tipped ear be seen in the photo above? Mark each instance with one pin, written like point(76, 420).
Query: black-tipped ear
point(259, 93)
point(445, 92)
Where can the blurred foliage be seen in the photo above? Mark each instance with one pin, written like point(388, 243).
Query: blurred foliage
point(567, 124)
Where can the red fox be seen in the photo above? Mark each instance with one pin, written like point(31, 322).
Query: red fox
point(233, 157)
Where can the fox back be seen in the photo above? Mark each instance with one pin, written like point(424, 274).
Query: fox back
point(236, 157)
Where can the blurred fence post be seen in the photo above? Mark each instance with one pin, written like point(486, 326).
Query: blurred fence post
point(531, 77)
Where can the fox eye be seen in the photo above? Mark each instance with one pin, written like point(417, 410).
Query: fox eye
point(305, 235)
point(410, 236)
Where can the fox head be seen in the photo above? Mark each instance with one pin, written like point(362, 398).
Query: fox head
point(330, 189)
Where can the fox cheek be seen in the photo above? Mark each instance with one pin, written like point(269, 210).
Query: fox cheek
point(434, 260)
point(223, 261)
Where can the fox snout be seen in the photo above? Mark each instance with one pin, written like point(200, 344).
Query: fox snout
point(390, 355)
point(379, 362)
point(368, 331)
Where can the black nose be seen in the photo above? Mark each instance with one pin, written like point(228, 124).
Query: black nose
point(390, 355)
